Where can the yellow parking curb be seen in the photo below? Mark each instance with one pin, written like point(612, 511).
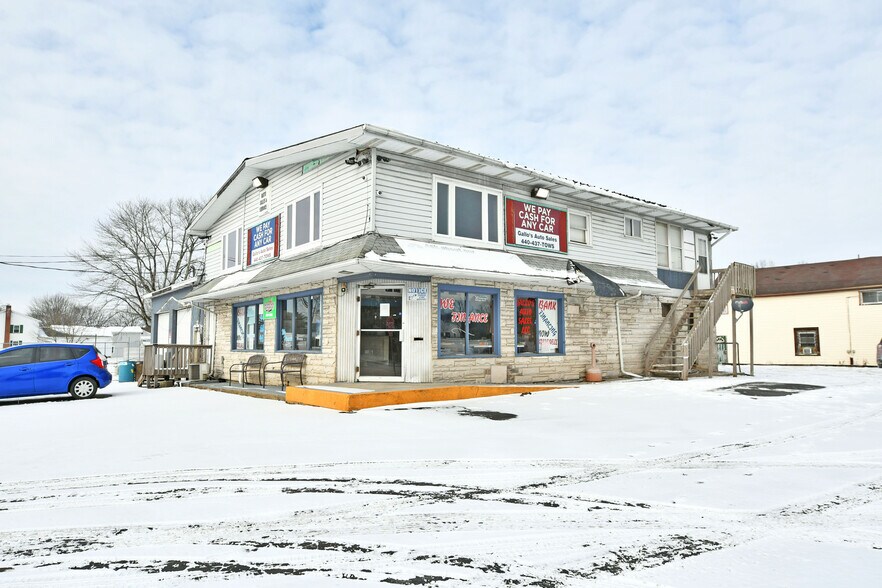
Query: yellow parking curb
point(347, 402)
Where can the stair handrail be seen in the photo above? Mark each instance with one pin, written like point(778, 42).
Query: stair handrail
point(738, 278)
point(650, 354)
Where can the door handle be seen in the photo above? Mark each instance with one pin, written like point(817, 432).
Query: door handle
point(69, 364)
point(25, 369)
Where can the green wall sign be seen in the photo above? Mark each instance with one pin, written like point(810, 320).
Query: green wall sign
point(269, 308)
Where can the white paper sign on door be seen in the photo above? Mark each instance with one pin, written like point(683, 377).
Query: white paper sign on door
point(384, 309)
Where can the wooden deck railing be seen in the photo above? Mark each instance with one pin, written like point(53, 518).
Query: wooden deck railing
point(668, 326)
point(737, 280)
point(173, 361)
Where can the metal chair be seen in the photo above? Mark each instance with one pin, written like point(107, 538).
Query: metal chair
point(255, 363)
point(291, 363)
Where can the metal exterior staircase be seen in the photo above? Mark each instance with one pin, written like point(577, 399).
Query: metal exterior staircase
point(690, 326)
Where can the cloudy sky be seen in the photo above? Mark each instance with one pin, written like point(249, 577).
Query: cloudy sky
point(763, 115)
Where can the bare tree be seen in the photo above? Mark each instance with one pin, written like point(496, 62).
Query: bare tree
point(764, 263)
point(63, 319)
point(142, 246)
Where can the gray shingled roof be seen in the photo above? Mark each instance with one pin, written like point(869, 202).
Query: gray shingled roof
point(354, 248)
point(359, 247)
point(205, 288)
point(615, 273)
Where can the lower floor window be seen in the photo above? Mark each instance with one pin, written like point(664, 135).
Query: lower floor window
point(248, 330)
point(468, 321)
point(300, 322)
point(539, 322)
point(807, 341)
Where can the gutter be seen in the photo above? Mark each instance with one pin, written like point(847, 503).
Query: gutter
point(619, 336)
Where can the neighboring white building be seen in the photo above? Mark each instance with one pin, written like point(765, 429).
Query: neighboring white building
point(18, 328)
point(827, 313)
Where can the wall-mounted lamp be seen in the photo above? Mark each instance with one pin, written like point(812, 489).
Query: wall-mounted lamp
point(343, 288)
point(260, 182)
point(538, 192)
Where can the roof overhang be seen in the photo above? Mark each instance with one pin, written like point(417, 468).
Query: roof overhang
point(394, 143)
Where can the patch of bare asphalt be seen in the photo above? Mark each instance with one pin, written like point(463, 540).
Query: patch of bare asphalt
point(765, 389)
point(200, 567)
point(646, 556)
point(492, 415)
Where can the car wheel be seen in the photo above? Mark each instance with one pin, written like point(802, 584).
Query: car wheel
point(83, 387)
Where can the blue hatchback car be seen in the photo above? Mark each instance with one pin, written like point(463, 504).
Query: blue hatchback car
point(52, 368)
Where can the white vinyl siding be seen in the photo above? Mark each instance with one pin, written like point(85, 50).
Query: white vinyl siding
point(405, 201)
point(344, 204)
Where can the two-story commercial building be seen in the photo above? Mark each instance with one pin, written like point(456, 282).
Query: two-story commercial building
point(384, 256)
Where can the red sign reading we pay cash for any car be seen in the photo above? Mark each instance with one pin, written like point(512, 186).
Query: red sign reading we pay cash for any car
point(535, 226)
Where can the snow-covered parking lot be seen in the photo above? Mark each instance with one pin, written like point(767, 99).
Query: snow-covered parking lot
point(629, 483)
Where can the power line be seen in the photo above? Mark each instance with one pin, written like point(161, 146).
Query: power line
point(43, 267)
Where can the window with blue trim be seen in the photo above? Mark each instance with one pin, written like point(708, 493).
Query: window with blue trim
point(540, 323)
point(468, 321)
point(248, 327)
point(300, 322)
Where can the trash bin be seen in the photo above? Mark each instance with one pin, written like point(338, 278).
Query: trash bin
point(127, 371)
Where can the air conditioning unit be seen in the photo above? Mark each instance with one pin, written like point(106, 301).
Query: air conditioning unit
point(808, 350)
point(198, 371)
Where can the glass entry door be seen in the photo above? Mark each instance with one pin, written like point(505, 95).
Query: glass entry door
point(379, 334)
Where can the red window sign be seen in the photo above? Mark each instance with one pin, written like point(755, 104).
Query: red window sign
point(535, 226)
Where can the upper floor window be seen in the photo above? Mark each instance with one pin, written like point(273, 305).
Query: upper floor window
point(304, 220)
point(580, 228)
point(16, 328)
point(669, 246)
point(232, 249)
point(871, 296)
point(633, 227)
point(465, 211)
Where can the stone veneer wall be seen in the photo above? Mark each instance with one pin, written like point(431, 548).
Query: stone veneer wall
point(321, 368)
point(589, 318)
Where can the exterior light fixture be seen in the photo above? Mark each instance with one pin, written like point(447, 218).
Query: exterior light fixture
point(260, 182)
point(538, 192)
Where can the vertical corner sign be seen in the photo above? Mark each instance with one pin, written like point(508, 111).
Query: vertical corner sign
point(535, 226)
point(269, 308)
point(263, 241)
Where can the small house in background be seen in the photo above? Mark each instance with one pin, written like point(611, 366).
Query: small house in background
point(18, 328)
point(827, 313)
point(116, 343)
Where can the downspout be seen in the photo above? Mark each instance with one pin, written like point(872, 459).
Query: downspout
point(619, 334)
point(372, 202)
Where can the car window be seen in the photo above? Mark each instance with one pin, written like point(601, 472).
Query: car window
point(17, 357)
point(78, 352)
point(57, 353)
